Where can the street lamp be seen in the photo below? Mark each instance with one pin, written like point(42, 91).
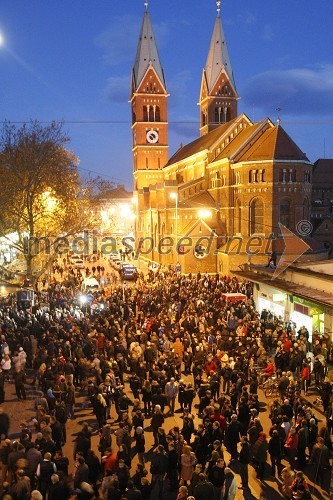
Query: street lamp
point(174, 196)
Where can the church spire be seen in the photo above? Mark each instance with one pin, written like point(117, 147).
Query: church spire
point(149, 102)
point(147, 53)
point(218, 94)
point(218, 56)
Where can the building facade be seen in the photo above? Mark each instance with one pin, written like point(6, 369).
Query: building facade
point(217, 202)
point(116, 214)
point(302, 294)
point(322, 202)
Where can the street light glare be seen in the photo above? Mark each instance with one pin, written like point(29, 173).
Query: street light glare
point(174, 196)
point(2, 40)
point(204, 214)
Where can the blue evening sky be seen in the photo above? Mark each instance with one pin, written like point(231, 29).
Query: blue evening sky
point(71, 60)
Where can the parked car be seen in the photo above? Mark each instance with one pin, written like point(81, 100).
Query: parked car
point(74, 259)
point(93, 257)
point(79, 264)
point(129, 273)
point(90, 284)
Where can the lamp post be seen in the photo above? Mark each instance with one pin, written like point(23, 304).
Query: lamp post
point(174, 196)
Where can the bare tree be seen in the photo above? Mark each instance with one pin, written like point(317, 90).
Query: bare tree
point(42, 195)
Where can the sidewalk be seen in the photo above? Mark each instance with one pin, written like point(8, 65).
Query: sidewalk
point(311, 397)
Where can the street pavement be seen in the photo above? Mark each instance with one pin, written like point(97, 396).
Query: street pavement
point(23, 411)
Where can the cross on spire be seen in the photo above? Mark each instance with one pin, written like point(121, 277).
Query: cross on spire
point(146, 4)
point(218, 5)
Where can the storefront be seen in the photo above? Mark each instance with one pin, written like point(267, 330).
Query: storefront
point(308, 314)
point(271, 299)
point(304, 297)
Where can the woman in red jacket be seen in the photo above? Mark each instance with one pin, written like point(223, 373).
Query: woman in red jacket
point(291, 445)
point(305, 375)
point(267, 372)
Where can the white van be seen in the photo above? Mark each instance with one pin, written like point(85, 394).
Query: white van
point(90, 284)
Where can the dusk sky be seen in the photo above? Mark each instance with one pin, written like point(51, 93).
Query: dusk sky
point(71, 60)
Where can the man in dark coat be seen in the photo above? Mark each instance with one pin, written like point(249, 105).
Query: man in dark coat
point(275, 451)
point(4, 424)
point(19, 379)
point(158, 469)
point(21, 489)
point(320, 457)
point(82, 473)
point(132, 493)
point(2, 385)
point(172, 473)
point(233, 436)
point(57, 435)
point(44, 472)
point(58, 489)
point(204, 489)
point(244, 459)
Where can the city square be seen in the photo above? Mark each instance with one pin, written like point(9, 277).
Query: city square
point(166, 305)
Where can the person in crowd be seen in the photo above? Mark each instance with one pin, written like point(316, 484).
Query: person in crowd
point(127, 353)
point(275, 451)
point(245, 456)
point(188, 461)
point(260, 449)
point(229, 485)
point(320, 458)
point(44, 472)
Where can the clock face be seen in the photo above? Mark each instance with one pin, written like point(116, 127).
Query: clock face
point(152, 136)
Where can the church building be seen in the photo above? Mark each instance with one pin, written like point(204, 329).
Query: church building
point(216, 204)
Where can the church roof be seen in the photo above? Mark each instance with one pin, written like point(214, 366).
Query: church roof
point(274, 144)
point(117, 193)
point(200, 144)
point(147, 53)
point(199, 200)
point(218, 57)
point(323, 172)
point(239, 140)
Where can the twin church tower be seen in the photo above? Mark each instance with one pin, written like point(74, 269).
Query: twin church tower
point(237, 180)
point(149, 97)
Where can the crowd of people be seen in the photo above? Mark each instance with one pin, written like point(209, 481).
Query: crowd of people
point(167, 345)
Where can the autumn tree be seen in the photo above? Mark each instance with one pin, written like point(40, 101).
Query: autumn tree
point(41, 195)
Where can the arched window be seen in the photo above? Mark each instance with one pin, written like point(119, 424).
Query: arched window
point(150, 113)
point(145, 114)
point(133, 117)
point(147, 163)
point(203, 118)
point(157, 114)
point(228, 115)
point(256, 216)
point(285, 215)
